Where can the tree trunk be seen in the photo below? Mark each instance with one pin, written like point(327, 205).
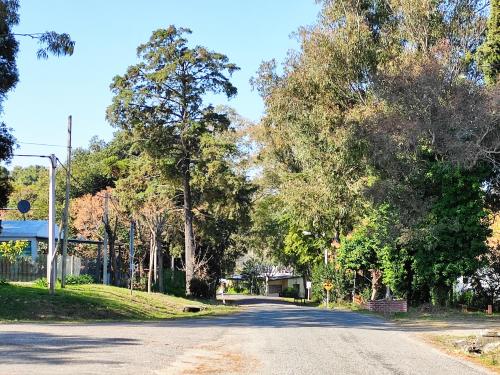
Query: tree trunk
point(172, 269)
point(155, 260)
point(151, 255)
point(160, 267)
point(376, 276)
point(189, 247)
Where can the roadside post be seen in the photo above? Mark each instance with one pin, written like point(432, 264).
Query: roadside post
point(328, 286)
point(308, 287)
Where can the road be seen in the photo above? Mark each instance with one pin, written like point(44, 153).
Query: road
point(267, 337)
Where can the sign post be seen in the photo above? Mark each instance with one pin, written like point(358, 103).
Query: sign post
point(308, 287)
point(328, 286)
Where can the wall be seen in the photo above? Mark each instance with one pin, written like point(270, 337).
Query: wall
point(383, 305)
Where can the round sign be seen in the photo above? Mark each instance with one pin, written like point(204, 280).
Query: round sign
point(23, 206)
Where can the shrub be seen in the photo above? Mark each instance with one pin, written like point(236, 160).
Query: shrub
point(175, 282)
point(200, 288)
point(41, 283)
point(78, 280)
point(289, 292)
point(3, 282)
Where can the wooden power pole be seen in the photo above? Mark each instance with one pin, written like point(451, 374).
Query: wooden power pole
point(51, 277)
point(66, 208)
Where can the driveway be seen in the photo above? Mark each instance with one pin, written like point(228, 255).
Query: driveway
point(267, 337)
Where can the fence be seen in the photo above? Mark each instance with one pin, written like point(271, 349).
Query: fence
point(27, 269)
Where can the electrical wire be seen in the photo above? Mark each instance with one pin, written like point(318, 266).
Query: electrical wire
point(40, 144)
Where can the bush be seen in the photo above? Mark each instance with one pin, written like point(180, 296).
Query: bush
point(78, 280)
point(3, 282)
point(341, 284)
point(200, 288)
point(41, 283)
point(289, 292)
point(175, 282)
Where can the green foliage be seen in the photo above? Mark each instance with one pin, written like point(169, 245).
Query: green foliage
point(12, 249)
point(251, 273)
point(175, 282)
point(41, 283)
point(488, 53)
point(453, 235)
point(374, 245)
point(160, 102)
point(339, 278)
point(80, 279)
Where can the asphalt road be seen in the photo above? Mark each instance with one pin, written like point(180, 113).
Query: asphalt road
point(266, 338)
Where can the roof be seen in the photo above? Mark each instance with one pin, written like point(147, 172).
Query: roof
point(26, 229)
point(278, 276)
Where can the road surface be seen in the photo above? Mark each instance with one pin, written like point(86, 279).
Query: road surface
point(267, 337)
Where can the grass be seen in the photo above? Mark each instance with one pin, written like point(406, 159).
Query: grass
point(446, 343)
point(27, 302)
point(445, 314)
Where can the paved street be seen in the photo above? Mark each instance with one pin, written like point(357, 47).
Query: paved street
point(268, 337)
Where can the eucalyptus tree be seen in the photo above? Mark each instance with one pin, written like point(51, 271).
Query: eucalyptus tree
point(161, 100)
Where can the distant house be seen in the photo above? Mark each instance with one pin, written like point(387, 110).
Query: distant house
point(33, 231)
point(276, 283)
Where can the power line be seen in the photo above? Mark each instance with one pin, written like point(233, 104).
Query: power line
point(111, 198)
point(40, 144)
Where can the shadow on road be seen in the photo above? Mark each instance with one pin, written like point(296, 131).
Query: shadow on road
point(18, 347)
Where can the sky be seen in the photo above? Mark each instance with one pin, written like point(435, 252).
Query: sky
point(107, 33)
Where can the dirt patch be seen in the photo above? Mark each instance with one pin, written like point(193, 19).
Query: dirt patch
point(212, 359)
point(447, 343)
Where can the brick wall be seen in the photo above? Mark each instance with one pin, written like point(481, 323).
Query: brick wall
point(383, 305)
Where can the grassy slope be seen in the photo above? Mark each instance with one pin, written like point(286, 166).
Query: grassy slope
point(24, 301)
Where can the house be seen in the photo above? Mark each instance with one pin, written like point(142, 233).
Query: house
point(33, 231)
point(278, 283)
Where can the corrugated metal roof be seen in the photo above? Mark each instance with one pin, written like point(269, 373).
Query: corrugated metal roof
point(26, 229)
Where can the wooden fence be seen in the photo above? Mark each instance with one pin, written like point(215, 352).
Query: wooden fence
point(23, 269)
point(27, 269)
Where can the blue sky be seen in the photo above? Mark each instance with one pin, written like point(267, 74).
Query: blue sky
point(107, 33)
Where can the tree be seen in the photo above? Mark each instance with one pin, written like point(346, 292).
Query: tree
point(160, 100)
point(50, 41)
point(454, 233)
point(488, 54)
point(373, 248)
point(380, 94)
point(12, 249)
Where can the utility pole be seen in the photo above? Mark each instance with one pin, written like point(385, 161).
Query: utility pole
point(66, 207)
point(52, 218)
point(105, 243)
point(132, 227)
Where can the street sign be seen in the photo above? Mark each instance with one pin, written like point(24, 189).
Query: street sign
point(23, 206)
point(327, 285)
point(308, 285)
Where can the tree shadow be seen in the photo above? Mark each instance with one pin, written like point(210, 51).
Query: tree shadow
point(21, 347)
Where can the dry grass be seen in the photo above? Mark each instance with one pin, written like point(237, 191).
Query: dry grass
point(446, 343)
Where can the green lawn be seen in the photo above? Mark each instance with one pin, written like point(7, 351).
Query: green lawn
point(25, 302)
